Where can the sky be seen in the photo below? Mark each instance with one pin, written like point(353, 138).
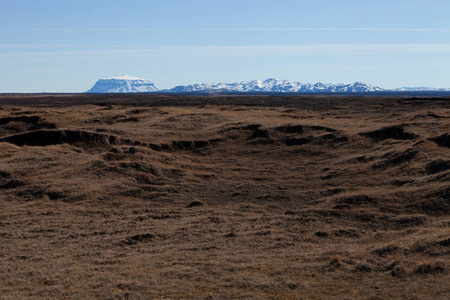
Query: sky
point(67, 45)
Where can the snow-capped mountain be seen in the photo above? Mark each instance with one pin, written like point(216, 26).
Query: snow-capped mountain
point(272, 85)
point(123, 84)
point(420, 89)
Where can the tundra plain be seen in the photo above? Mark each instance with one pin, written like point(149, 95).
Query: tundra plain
point(224, 197)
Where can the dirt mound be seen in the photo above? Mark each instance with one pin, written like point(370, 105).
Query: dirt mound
point(290, 129)
point(79, 137)
point(357, 200)
point(438, 247)
point(392, 159)
point(438, 166)
point(286, 134)
point(425, 269)
point(396, 132)
point(11, 184)
point(4, 174)
point(252, 134)
point(139, 238)
point(256, 131)
point(387, 250)
point(442, 140)
point(436, 203)
point(321, 128)
point(177, 145)
point(195, 203)
point(331, 138)
point(25, 119)
point(318, 135)
point(55, 137)
point(114, 119)
point(296, 141)
point(406, 221)
point(192, 144)
point(24, 123)
point(298, 128)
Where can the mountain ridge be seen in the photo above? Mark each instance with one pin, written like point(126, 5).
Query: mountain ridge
point(273, 85)
point(128, 84)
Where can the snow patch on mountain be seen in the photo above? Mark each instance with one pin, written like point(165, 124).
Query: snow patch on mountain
point(124, 77)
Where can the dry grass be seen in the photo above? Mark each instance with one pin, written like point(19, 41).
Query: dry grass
point(276, 198)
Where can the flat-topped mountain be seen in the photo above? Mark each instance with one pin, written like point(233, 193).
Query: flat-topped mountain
point(123, 84)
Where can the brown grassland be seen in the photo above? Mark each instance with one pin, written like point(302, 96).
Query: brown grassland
point(224, 197)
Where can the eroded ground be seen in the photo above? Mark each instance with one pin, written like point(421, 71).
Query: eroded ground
point(278, 198)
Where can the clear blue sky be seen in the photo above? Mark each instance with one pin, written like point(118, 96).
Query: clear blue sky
point(66, 45)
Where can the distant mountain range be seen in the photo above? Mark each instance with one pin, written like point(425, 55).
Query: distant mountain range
point(420, 89)
point(272, 85)
point(128, 84)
